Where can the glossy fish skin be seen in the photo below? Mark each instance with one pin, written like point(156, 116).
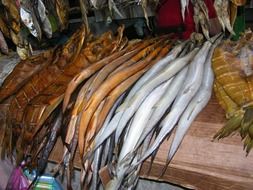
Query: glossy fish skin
point(28, 17)
point(189, 89)
point(198, 102)
point(225, 74)
point(43, 104)
point(159, 64)
point(46, 26)
point(13, 15)
point(161, 77)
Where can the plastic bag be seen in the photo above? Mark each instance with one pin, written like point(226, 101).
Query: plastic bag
point(17, 180)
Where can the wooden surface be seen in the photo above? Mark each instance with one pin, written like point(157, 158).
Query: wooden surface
point(201, 163)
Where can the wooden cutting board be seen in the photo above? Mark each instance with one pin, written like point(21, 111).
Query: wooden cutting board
point(201, 163)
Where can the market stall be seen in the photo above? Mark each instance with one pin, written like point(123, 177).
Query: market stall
point(122, 90)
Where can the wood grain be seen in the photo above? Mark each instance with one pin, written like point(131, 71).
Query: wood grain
point(200, 162)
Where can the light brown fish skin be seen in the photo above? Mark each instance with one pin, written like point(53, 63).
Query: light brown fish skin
point(234, 89)
point(4, 27)
point(38, 82)
point(23, 71)
point(230, 79)
point(41, 107)
point(13, 14)
point(109, 85)
point(91, 70)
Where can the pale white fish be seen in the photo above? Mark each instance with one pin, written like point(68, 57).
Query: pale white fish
point(140, 119)
point(168, 72)
point(218, 8)
point(26, 17)
point(204, 9)
point(112, 6)
point(199, 101)
point(226, 17)
point(133, 173)
point(156, 69)
point(164, 103)
point(145, 78)
point(151, 73)
point(105, 152)
point(184, 5)
point(46, 25)
point(106, 130)
point(190, 87)
point(95, 168)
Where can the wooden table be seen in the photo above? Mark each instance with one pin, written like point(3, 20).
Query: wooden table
point(201, 163)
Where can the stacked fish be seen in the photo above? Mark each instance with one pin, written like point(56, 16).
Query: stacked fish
point(36, 86)
point(169, 95)
point(107, 96)
point(232, 64)
point(114, 126)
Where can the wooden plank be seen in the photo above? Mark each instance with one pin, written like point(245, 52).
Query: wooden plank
point(200, 162)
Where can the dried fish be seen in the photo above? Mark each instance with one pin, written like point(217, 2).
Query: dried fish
point(28, 17)
point(198, 102)
point(136, 100)
point(190, 87)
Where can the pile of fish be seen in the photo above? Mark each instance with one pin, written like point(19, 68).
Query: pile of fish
point(232, 65)
point(169, 95)
point(114, 99)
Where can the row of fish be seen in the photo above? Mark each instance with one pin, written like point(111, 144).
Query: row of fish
point(94, 97)
point(170, 95)
point(118, 100)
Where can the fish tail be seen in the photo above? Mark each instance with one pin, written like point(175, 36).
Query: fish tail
point(247, 121)
point(232, 125)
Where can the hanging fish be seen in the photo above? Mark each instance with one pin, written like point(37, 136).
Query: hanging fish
point(184, 4)
point(42, 12)
point(62, 9)
point(29, 19)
